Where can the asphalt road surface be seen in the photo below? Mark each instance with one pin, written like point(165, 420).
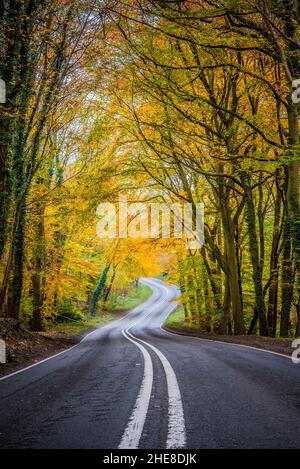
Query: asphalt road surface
point(132, 385)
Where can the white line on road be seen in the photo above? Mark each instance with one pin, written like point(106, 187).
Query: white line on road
point(177, 334)
point(134, 429)
point(133, 432)
point(176, 424)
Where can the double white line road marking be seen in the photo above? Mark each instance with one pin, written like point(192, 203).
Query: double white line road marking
point(176, 424)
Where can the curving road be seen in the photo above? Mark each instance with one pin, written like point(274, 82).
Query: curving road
point(132, 385)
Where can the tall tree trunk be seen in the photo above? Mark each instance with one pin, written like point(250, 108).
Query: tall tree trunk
point(260, 218)
point(225, 326)
point(99, 289)
point(252, 327)
point(4, 182)
point(273, 289)
point(238, 258)
point(16, 257)
point(255, 260)
point(16, 285)
point(192, 301)
point(297, 331)
point(182, 285)
point(236, 302)
point(38, 277)
point(108, 289)
point(214, 287)
point(287, 281)
point(10, 70)
point(293, 211)
point(208, 312)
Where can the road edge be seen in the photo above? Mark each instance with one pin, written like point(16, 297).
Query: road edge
point(86, 334)
point(190, 336)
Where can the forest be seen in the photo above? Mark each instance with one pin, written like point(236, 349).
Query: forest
point(187, 101)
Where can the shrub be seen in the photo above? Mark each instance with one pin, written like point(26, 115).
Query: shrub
point(67, 311)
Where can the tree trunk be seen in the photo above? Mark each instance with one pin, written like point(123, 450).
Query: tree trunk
point(207, 322)
point(12, 32)
point(99, 290)
point(252, 327)
point(287, 281)
point(273, 289)
point(255, 260)
point(4, 183)
point(297, 331)
point(293, 211)
point(108, 290)
point(236, 303)
point(214, 287)
point(16, 285)
point(225, 327)
point(38, 277)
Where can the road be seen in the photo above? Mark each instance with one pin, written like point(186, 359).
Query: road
point(132, 385)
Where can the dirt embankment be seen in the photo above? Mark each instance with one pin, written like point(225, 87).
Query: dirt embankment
point(24, 348)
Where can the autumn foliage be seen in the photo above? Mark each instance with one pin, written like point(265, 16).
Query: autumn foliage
point(182, 102)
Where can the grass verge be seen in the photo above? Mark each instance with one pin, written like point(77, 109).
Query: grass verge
point(85, 325)
point(135, 297)
point(176, 320)
point(120, 306)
